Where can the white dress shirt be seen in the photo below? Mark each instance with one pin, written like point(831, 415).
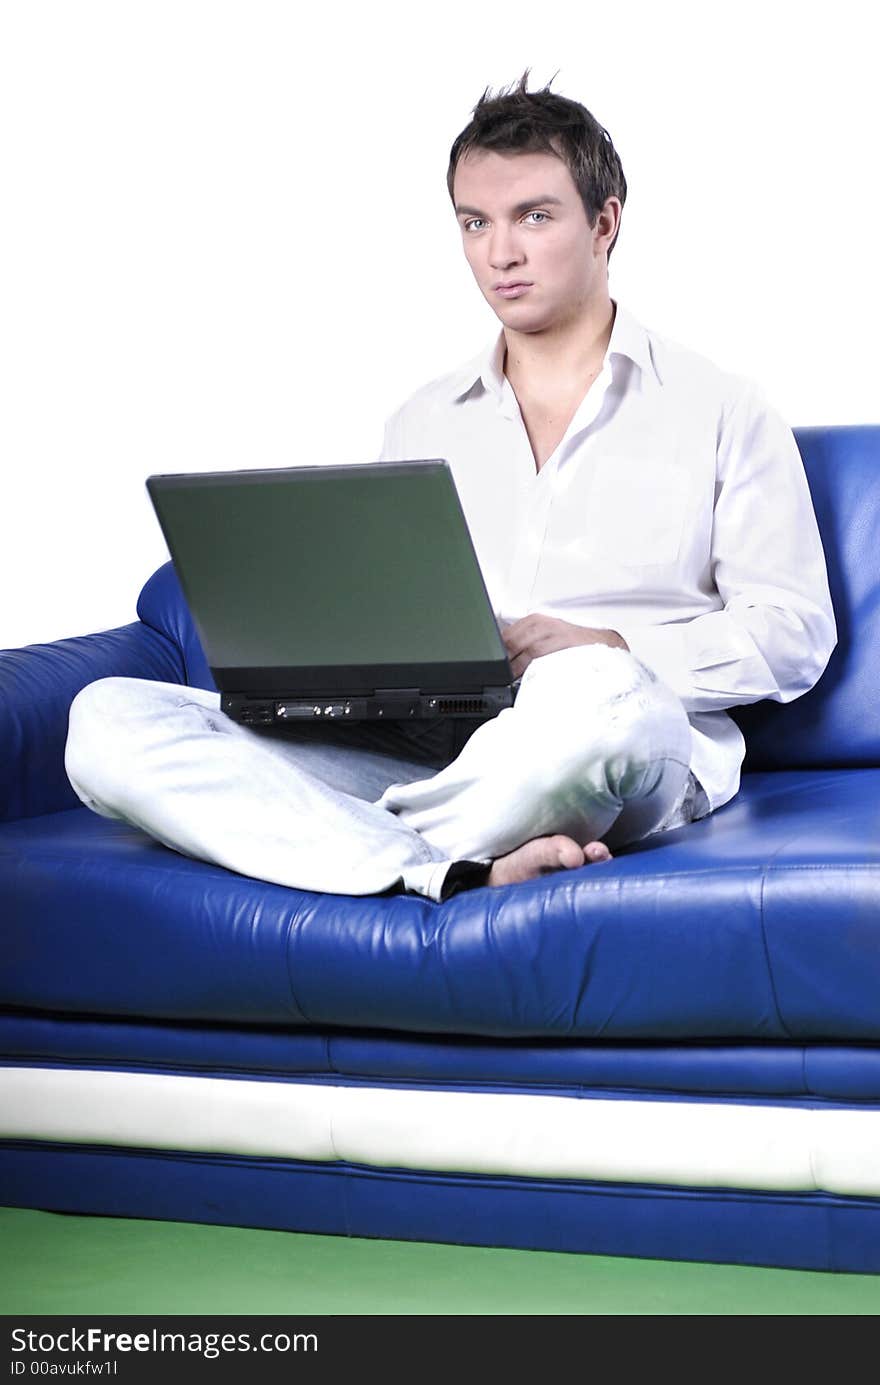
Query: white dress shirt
point(674, 510)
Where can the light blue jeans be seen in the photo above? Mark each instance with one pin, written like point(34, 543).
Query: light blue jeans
point(595, 747)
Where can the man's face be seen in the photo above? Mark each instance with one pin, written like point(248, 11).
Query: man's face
point(522, 221)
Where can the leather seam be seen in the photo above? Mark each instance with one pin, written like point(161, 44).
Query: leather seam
point(781, 1022)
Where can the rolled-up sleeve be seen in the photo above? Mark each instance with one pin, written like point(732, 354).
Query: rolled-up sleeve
point(776, 630)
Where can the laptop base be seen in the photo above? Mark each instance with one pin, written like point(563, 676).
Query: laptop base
point(397, 704)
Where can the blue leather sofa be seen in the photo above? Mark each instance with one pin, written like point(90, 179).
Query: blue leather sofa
point(674, 1054)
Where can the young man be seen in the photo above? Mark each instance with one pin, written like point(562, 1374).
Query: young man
point(646, 533)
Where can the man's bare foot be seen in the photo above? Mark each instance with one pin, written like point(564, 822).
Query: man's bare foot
point(543, 855)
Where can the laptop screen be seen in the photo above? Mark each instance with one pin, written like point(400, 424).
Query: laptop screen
point(328, 567)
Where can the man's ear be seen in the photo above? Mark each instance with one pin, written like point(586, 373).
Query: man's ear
point(608, 221)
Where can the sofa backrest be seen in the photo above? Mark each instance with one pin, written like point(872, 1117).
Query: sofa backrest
point(838, 723)
point(162, 605)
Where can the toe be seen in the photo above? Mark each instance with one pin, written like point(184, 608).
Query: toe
point(568, 853)
point(596, 851)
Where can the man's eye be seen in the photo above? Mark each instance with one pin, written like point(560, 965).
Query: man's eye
point(472, 221)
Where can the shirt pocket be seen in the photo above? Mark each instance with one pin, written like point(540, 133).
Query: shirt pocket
point(637, 511)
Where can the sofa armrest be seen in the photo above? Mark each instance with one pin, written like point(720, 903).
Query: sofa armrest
point(38, 684)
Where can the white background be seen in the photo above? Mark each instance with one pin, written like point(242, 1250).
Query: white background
point(226, 240)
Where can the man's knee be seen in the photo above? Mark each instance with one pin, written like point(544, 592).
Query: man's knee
point(594, 704)
point(91, 754)
point(587, 680)
point(98, 706)
point(101, 699)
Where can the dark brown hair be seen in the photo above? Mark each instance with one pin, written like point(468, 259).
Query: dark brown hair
point(540, 121)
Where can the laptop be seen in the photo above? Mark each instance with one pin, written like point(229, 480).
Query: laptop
point(343, 592)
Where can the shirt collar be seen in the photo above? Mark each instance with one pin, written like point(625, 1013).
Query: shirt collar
point(628, 338)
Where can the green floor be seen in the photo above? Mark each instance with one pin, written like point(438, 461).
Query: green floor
point(51, 1263)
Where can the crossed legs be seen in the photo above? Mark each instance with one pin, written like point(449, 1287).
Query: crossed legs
point(595, 750)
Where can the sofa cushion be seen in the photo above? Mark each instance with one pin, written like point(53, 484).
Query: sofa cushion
point(759, 922)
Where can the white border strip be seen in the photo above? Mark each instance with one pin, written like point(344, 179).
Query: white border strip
point(694, 1144)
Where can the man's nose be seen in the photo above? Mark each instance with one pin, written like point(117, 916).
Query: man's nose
point(503, 248)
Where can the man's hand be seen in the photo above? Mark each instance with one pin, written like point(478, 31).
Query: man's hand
point(534, 635)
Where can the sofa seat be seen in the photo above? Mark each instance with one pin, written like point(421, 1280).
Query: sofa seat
point(759, 922)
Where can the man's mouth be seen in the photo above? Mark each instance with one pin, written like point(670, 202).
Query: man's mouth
point(513, 289)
